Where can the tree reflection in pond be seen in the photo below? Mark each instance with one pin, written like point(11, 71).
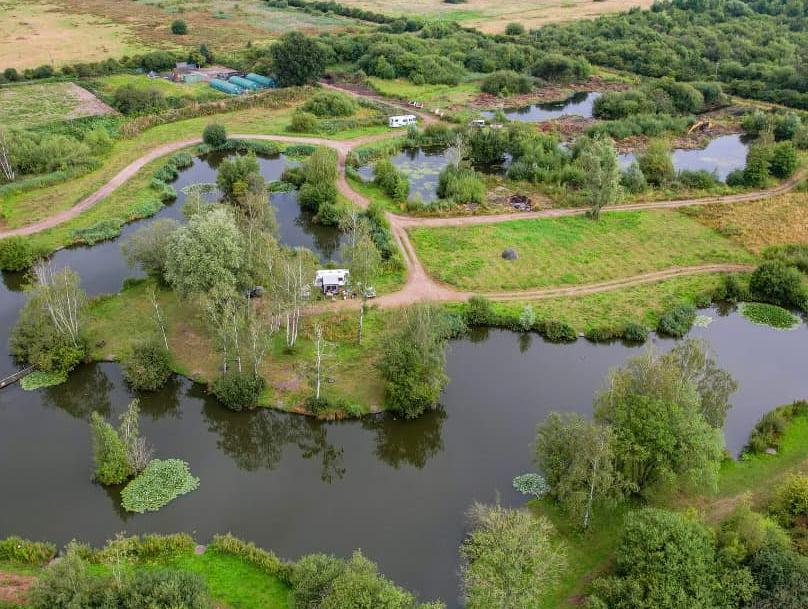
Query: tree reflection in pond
point(256, 439)
point(413, 443)
point(89, 391)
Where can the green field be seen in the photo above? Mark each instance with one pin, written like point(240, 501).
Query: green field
point(445, 94)
point(569, 251)
point(107, 85)
point(32, 104)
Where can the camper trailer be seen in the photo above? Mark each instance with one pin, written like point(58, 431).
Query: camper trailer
point(402, 120)
point(330, 281)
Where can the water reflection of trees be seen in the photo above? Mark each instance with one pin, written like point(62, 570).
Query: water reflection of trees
point(256, 439)
point(164, 403)
point(408, 442)
point(87, 389)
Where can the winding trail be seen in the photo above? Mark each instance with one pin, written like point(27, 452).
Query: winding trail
point(420, 285)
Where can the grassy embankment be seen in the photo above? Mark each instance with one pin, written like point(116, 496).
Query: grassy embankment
point(752, 478)
point(569, 251)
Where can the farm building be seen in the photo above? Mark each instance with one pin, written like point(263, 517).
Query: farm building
point(243, 83)
point(402, 120)
point(331, 280)
point(226, 87)
point(263, 81)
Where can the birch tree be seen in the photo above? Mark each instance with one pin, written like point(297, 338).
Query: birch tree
point(363, 260)
point(576, 458)
point(157, 316)
point(62, 298)
point(6, 165)
point(601, 174)
point(293, 274)
point(322, 362)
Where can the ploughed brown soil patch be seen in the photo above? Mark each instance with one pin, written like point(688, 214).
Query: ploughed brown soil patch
point(13, 587)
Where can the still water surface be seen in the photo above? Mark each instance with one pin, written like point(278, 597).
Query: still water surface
point(396, 489)
point(578, 104)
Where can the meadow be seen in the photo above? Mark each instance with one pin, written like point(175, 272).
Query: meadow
point(31, 104)
point(569, 251)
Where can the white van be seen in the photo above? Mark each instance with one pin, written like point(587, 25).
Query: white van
point(402, 120)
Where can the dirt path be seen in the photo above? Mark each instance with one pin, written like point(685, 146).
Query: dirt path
point(419, 285)
point(14, 586)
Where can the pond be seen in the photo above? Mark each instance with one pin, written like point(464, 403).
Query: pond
point(423, 166)
point(103, 268)
point(396, 489)
point(578, 104)
point(721, 156)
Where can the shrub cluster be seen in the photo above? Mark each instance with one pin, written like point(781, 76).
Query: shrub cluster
point(461, 184)
point(16, 549)
point(238, 391)
point(147, 367)
point(330, 104)
point(507, 82)
point(394, 183)
point(769, 430)
point(677, 320)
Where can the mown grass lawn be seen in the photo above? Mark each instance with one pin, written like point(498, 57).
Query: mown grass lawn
point(569, 251)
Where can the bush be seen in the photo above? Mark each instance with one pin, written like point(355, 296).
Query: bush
point(215, 135)
point(514, 29)
point(238, 391)
point(506, 82)
point(145, 548)
point(130, 99)
point(730, 290)
point(179, 27)
point(656, 163)
point(16, 254)
point(109, 452)
point(558, 332)
point(791, 254)
point(393, 182)
point(784, 161)
point(756, 171)
point(330, 104)
point(303, 122)
point(677, 321)
point(790, 503)
point(16, 549)
point(311, 579)
point(147, 367)
point(777, 283)
point(633, 180)
point(635, 332)
point(479, 311)
point(786, 126)
point(461, 185)
point(701, 179)
point(559, 68)
point(158, 485)
point(767, 432)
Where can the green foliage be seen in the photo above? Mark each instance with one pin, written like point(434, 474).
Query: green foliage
point(768, 431)
point(303, 122)
point(744, 533)
point(786, 126)
point(34, 152)
point(103, 230)
point(147, 367)
point(601, 173)
point(147, 248)
point(790, 503)
point(509, 559)
point(208, 251)
point(633, 180)
point(132, 99)
point(781, 576)
point(779, 284)
point(109, 452)
point(158, 485)
point(143, 548)
point(238, 391)
point(756, 171)
point(558, 332)
point(769, 315)
point(70, 584)
point(393, 182)
point(460, 184)
point(39, 379)
point(16, 254)
point(311, 579)
point(248, 551)
point(238, 176)
point(479, 311)
point(329, 104)
point(656, 163)
point(666, 413)
point(790, 254)
point(412, 360)
point(297, 60)
point(784, 161)
point(667, 561)
point(179, 27)
point(635, 332)
point(577, 459)
point(16, 549)
point(560, 68)
point(507, 82)
point(533, 485)
point(214, 135)
point(514, 29)
point(677, 320)
point(527, 318)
